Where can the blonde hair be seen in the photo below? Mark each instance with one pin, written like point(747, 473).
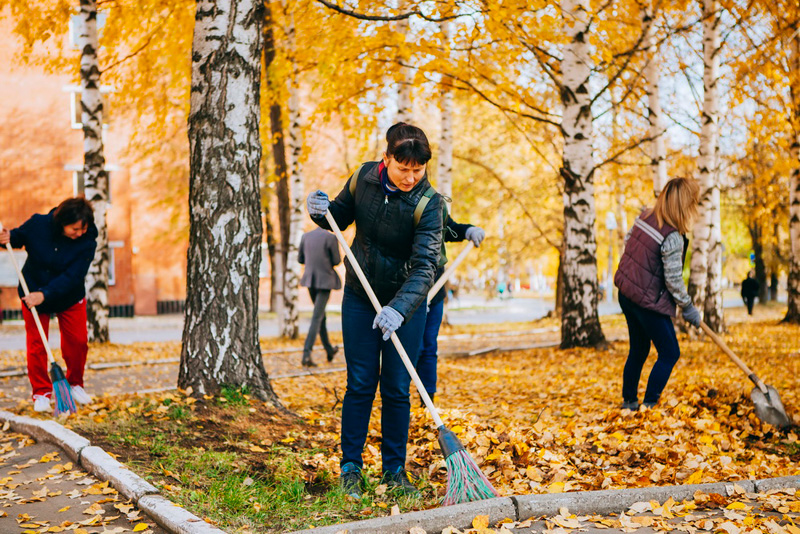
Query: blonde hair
point(678, 203)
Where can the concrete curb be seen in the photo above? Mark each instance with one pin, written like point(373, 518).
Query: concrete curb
point(522, 507)
point(99, 463)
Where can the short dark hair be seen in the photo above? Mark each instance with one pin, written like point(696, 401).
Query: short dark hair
point(407, 144)
point(74, 210)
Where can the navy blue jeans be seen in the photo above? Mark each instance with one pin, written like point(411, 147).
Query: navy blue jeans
point(644, 327)
point(372, 361)
point(426, 365)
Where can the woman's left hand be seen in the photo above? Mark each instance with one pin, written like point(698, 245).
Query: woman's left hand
point(34, 299)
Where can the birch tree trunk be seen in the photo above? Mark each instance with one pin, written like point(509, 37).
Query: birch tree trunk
point(580, 324)
point(652, 74)
point(404, 109)
point(290, 327)
point(444, 175)
point(95, 176)
point(793, 283)
point(220, 334)
point(702, 232)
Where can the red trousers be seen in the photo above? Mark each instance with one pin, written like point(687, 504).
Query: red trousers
point(74, 347)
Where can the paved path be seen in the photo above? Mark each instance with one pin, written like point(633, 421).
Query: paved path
point(42, 491)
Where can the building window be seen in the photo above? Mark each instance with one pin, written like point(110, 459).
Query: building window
point(112, 270)
point(75, 105)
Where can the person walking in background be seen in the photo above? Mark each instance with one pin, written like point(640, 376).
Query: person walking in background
point(398, 219)
point(319, 252)
point(650, 282)
point(60, 247)
point(429, 354)
point(750, 287)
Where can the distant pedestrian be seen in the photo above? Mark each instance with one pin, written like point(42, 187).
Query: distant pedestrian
point(60, 247)
point(398, 219)
point(319, 252)
point(750, 287)
point(429, 355)
point(650, 282)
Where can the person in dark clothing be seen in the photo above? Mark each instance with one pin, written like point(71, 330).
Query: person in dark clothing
point(650, 282)
point(398, 218)
point(319, 252)
point(750, 287)
point(60, 247)
point(428, 356)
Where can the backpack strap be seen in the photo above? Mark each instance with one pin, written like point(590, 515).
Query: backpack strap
point(354, 180)
point(422, 204)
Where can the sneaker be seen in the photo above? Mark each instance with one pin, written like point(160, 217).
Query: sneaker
point(80, 396)
point(41, 403)
point(351, 480)
point(398, 482)
point(632, 405)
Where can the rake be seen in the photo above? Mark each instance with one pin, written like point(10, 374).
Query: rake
point(465, 481)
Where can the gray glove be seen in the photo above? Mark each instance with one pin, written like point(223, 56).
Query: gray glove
point(475, 234)
point(388, 320)
point(317, 203)
point(691, 315)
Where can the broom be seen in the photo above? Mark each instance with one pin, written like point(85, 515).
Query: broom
point(61, 388)
point(465, 481)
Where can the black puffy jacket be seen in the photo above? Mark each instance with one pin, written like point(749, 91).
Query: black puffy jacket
point(398, 258)
point(56, 264)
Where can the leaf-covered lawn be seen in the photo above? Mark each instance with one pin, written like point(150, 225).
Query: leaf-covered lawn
point(541, 420)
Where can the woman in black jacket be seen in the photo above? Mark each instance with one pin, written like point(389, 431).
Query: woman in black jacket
point(60, 247)
point(398, 218)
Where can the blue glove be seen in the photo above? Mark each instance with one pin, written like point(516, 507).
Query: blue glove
point(691, 315)
point(317, 203)
point(388, 320)
point(475, 234)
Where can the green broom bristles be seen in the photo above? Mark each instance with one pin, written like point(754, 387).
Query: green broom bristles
point(465, 480)
point(62, 391)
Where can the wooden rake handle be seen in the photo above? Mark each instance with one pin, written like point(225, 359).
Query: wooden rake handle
point(377, 305)
point(449, 271)
point(25, 290)
point(738, 361)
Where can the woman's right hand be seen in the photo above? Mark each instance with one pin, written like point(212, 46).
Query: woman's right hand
point(317, 203)
point(5, 237)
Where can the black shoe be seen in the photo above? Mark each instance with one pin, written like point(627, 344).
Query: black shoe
point(398, 482)
point(308, 363)
point(332, 353)
point(632, 405)
point(649, 404)
point(351, 480)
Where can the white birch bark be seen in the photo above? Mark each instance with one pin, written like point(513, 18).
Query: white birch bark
point(94, 174)
point(706, 252)
point(652, 74)
point(793, 283)
point(580, 325)
point(220, 335)
point(290, 326)
point(404, 105)
point(444, 174)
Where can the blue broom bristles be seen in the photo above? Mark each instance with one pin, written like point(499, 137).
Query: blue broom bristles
point(465, 480)
point(62, 392)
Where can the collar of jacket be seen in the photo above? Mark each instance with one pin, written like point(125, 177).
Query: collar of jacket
point(410, 197)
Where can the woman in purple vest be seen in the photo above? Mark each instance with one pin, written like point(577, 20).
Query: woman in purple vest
point(650, 282)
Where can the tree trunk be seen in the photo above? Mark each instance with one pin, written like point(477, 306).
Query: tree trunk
point(95, 177)
point(793, 283)
point(404, 106)
point(266, 201)
point(580, 324)
point(559, 307)
point(760, 268)
point(220, 334)
point(289, 317)
point(705, 251)
point(445, 169)
point(279, 160)
point(713, 312)
point(652, 74)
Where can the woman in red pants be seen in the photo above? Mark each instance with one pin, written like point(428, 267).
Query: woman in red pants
point(60, 247)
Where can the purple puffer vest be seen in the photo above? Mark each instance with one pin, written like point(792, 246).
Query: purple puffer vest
point(640, 275)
